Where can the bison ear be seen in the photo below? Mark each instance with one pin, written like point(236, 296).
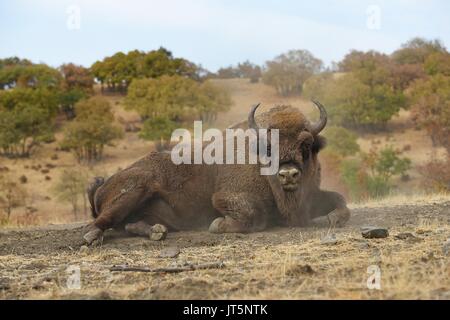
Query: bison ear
point(318, 144)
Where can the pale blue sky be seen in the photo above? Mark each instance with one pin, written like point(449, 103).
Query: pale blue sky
point(214, 33)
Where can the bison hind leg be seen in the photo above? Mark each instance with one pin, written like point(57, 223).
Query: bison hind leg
point(141, 228)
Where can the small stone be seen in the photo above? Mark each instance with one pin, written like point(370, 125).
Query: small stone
point(446, 247)
point(371, 232)
point(170, 252)
point(329, 239)
point(84, 249)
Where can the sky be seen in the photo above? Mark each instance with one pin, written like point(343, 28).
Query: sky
point(214, 33)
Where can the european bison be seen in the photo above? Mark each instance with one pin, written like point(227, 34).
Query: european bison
point(154, 192)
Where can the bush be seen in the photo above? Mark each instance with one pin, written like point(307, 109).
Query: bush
point(341, 141)
point(369, 176)
point(71, 188)
point(12, 195)
point(158, 130)
point(91, 129)
point(436, 174)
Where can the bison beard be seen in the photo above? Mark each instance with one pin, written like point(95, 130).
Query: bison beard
point(227, 198)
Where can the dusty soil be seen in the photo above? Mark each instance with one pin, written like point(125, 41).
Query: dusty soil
point(282, 263)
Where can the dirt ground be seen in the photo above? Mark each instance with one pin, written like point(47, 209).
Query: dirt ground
point(282, 263)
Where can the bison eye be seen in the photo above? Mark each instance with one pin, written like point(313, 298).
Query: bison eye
point(305, 149)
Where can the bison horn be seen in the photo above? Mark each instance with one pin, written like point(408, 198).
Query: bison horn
point(319, 125)
point(251, 118)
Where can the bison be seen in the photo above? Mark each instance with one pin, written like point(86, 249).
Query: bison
point(154, 195)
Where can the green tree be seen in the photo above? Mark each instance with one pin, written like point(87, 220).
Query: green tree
point(354, 104)
point(176, 98)
point(119, 70)
point(417, 50)
point(91, 129)
point(287, 72)
point(158, 129)
point(27, 119)
point(438, 63)
point(24, 75)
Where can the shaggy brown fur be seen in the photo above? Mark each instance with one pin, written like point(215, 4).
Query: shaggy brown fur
point(227, 198)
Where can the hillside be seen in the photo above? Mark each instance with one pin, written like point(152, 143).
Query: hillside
point(48, 209)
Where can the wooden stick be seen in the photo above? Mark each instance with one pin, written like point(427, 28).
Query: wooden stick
point(189, 267)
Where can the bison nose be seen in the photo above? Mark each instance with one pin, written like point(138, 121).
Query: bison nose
point(289, 175)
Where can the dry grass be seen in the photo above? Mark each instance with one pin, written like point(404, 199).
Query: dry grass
point(283, 263)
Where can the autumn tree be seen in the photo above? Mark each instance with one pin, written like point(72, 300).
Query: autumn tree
point(91, 130)
point(77, 84)
point(430, 99)
point(287, 72)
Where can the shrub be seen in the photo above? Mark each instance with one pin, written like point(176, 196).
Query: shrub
point(369, 176)
point(341, 141)
point(436, 174)
point(71, 188)
point(91, 129)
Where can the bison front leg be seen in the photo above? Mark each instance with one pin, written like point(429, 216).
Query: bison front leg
point(242, 213)
point(332, 205)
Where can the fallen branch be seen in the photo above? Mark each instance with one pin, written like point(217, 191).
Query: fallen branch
point(189, 267)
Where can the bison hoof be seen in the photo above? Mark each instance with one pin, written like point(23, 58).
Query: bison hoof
point(94, 235)
point(215, 225)
point(158, 232)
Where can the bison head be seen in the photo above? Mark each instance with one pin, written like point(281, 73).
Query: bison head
point(299, 143)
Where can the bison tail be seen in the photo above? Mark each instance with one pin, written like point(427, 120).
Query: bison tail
point(92, 188)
